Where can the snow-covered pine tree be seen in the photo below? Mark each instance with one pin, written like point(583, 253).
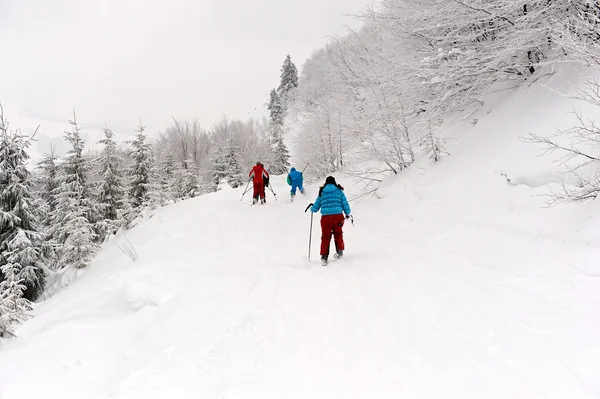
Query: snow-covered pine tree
point(190, 188)
point(226, 166)
point(48, 181)
point(72, 229)
point(276, 114)
point(111, 194)
point(281, 156)
point(234, 169)
point(154, 196)
point(13, 306)
point(21, 274)
point(288, 82)
point(179, 183)
point(76, 166)
point(140, 171)
point(166, 172)
point(220, 169)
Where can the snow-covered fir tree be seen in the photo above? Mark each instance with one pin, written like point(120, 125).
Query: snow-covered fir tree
point(220, 168)
point(178, 188)
point(154, 196)
point(288, 81)
point(276, 114)
point(14, 307)
point(79, 246)
point(281, 156)
point(48, 181)
point(280, 162)
point(140, 171)
point(111, 193)
point(226, 166)
point(189, 180)
point(166, 172)
point(235, 170)
point(76, 166)
point(21, 271)
point(72, 225)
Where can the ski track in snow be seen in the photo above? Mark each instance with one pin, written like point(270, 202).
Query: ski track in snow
point(440, 294)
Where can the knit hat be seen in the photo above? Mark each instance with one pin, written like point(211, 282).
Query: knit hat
point(330, 180)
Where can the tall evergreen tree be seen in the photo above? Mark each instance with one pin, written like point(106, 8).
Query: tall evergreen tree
point(72, 228)
point(288, 81)
point(111, 193)
point(280, 162)
point(281, 157)
point(76, 166)
point(276, 115)
point(48, 181)
point(111, 188)
point(21, 274)
point(140, 171)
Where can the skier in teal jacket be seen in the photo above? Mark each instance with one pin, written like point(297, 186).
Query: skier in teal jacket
point(333, 205)
point(295, 179)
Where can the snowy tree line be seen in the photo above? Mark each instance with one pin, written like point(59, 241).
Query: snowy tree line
point(377, 94)
point(380, 93)
point(56, 216)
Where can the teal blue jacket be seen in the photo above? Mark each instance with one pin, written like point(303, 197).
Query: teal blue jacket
point(331, 201)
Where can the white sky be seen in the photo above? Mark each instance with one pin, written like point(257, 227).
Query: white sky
point(115, 61)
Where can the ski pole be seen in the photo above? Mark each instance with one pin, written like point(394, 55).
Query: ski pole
point(275, 195)
point(246, 189)
point(310, 233)
point(308, 163)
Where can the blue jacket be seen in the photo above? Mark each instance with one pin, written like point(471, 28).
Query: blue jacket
point(295, 178)
point(332, 201)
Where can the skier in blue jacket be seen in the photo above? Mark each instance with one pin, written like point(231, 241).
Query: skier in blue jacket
point(333, 205)
point(295, 179)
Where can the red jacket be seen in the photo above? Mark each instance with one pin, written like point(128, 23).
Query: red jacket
point(258, 173)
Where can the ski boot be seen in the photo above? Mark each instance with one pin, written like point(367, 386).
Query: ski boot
point(263, 201)
point(338, 254)
point(324, 260)
point(292, 197)
point(254, 201)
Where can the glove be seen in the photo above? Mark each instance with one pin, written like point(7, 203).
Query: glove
point(347, 216)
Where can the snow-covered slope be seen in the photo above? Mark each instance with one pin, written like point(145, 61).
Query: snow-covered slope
point(455, 284)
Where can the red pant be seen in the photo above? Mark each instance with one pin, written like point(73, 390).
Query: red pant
point(332, 224)
point(259, 190)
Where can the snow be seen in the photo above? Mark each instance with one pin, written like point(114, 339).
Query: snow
point(455, 284)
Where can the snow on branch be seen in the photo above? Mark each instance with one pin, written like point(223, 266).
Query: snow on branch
point(579, 151)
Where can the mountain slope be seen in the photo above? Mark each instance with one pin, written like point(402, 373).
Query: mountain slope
point(455, 284)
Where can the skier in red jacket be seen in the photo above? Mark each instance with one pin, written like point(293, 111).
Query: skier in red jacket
point(259, 177)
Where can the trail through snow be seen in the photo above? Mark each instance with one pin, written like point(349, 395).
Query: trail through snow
point(455, 284)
